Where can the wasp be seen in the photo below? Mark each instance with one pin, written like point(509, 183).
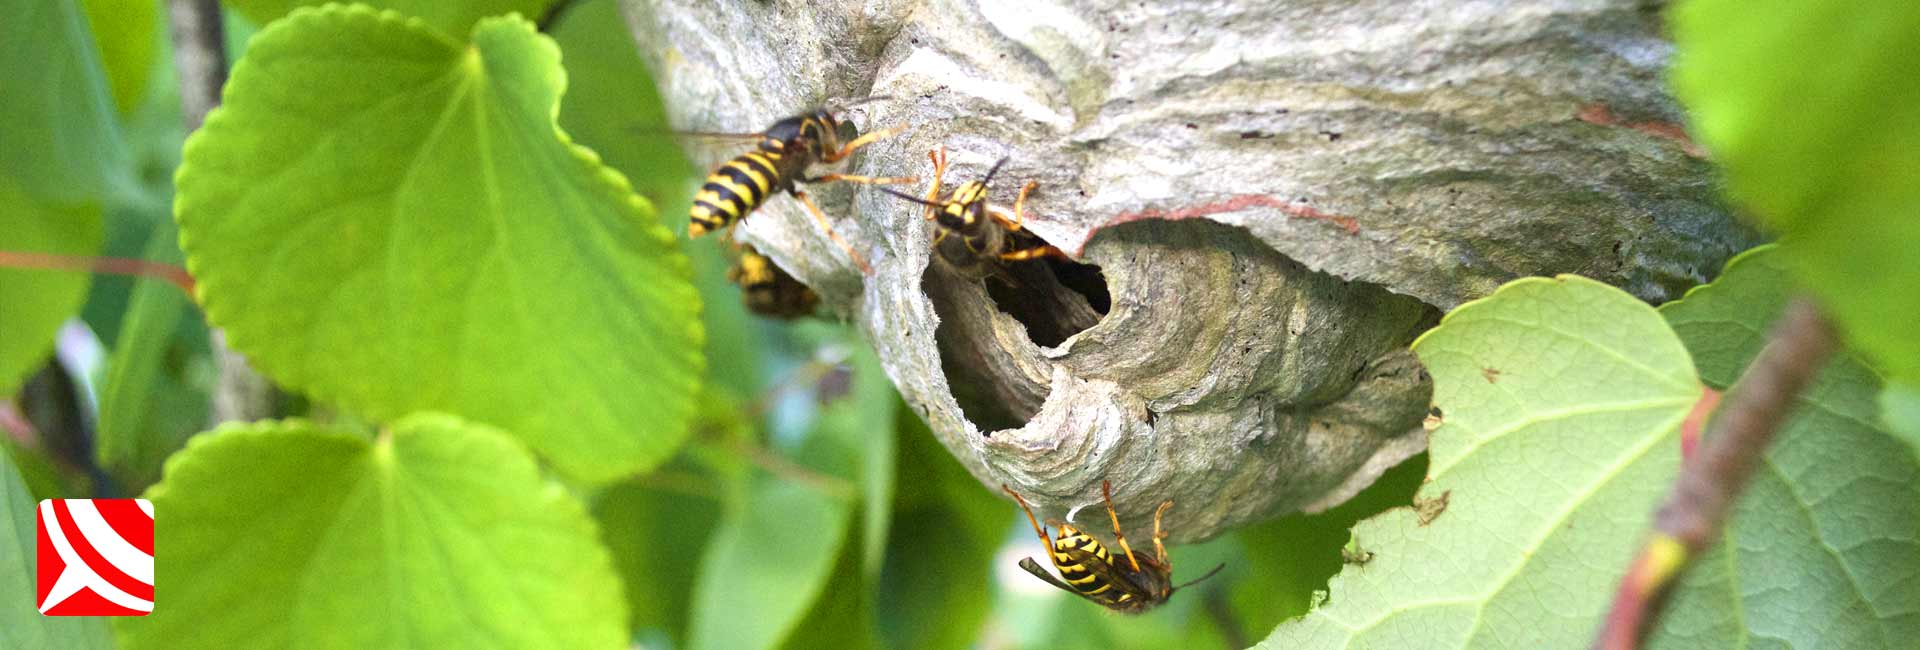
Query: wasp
point(786, 150)
point(972, 235)
point(768, 290)
point(1089, 571)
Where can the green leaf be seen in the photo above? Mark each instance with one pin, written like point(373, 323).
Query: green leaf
point(390, 221)
point(614, 107)
point(450, 17)
point(770, 559)
point(1561, 400)
point(45, 476)
point(1900, 410)
point(1724, 323)
point(1287, 560)
point(936, 584)
point(654, 527)
point(61, 143)
point(156, 392)
point(34, 302)
point(842, 618)
point(868, 418)
point(128, 32)
point(441, 533)
point(1823, 546)
point(772, 574)
point(21, 625)
point(1826, 149)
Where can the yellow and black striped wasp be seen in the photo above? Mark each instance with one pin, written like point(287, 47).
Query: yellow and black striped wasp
point(1089, 571)
point(973, 236)
point(786, 150)
point(768, 290)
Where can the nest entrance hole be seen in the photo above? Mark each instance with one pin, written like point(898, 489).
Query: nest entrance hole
point(1054, 300)
point(1051, 299)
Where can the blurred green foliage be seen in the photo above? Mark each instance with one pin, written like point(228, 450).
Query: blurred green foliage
point(1814, 111)
point(763, 486)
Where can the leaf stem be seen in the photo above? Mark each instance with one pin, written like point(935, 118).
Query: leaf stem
point(168, 273)
point(1696, 509)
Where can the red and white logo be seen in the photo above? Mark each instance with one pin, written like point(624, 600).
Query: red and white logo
point(96, 557)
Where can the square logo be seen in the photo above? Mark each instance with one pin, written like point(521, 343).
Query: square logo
point(95, 557)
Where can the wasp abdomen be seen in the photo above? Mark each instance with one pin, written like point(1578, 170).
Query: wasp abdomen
point(1071, 553)
point(734, 191)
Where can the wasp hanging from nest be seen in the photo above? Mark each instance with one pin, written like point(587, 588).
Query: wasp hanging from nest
point(973, 236)
point(768, 290)
point(787, 149)
point(1089, 571)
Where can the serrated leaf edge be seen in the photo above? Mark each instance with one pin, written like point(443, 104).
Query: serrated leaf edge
point(613, 184)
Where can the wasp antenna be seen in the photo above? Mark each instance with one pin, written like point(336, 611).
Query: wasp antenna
point(995, 169)
point(909, 197)
point(1195, 581)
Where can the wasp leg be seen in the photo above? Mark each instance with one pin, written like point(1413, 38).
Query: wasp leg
point(870, 138)
point(825, 225)
point(1158, 548)
point(939, 158)
point(1018, 219)
point(1106, 492)
point(1037, 528)
point(1034, 253)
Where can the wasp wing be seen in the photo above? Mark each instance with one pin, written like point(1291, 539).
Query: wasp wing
point(1034, 568)
point(718, 135)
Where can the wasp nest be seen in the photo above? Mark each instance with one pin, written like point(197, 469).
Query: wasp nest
point(1266, 201)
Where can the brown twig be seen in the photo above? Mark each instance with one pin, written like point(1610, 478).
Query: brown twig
point(168, 273)
point(199, 53)
point(1709, 482)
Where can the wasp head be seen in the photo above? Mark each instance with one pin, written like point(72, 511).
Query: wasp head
point(965, 209)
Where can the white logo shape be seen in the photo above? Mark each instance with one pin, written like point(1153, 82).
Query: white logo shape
point(94, 530)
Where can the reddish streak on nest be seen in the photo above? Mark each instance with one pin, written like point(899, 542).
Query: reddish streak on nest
point(1603, 116)
point(1241, 202)
point(1696, 422)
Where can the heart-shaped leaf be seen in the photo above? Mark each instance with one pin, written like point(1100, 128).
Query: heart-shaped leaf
point(390, 220)
point(1826, 148)
point(1823, 549)
point(1561, 399)
point(441, 533)
point(450, 17)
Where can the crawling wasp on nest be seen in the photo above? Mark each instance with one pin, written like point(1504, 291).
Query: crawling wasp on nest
point(974, 237)
point(768, 290)
point(787, 149)
point(1089, 571)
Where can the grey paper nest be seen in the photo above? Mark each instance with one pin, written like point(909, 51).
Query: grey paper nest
point(1278, 196)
